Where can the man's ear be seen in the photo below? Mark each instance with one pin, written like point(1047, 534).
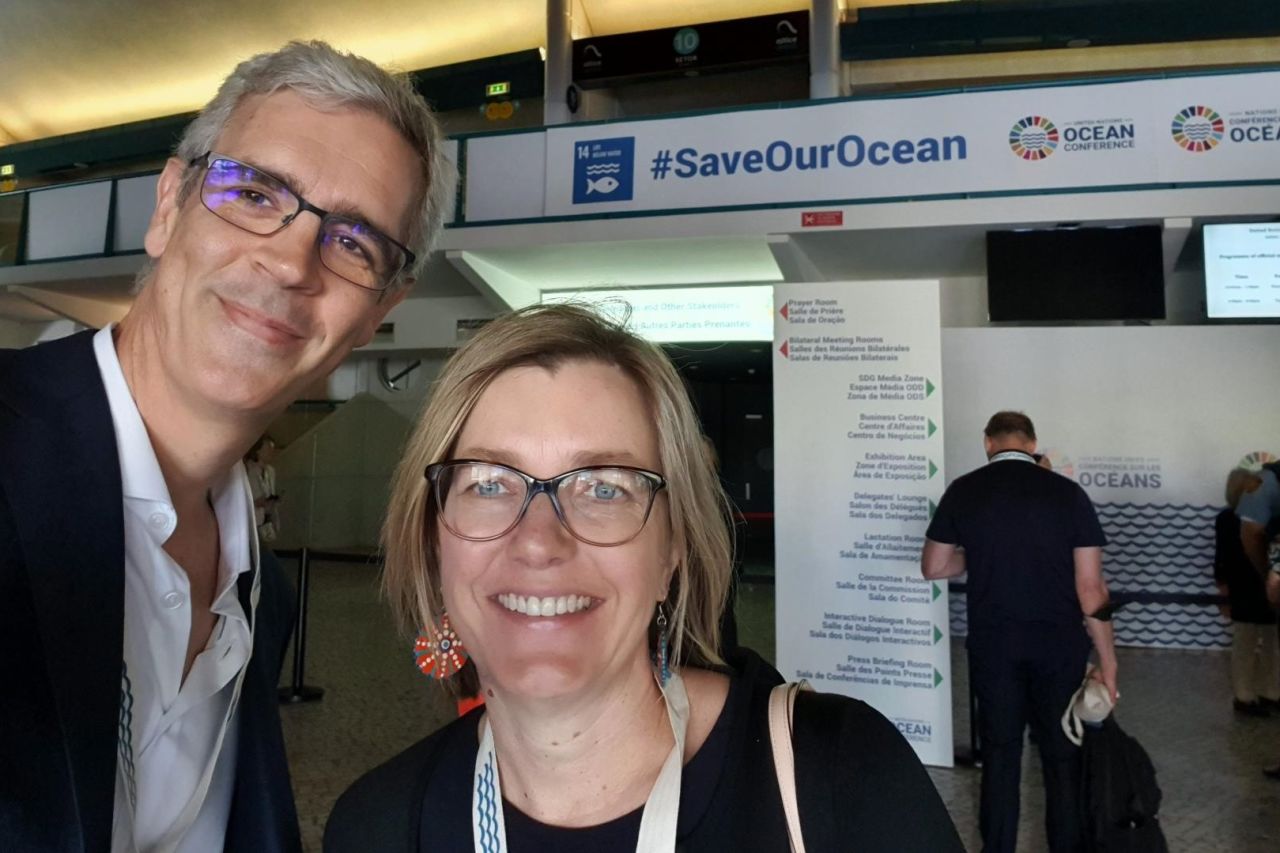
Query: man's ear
point(164, 219)
point(389, 299)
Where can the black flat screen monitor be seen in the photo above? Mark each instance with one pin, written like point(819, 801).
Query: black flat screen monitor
point(1076, 274)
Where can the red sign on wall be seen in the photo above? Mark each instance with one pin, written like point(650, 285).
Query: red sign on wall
point(820, 218)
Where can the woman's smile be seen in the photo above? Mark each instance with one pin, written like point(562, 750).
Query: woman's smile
point(544, 606)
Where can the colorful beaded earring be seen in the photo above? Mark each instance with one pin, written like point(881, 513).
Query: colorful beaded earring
point(438, 653)
point(660, 657)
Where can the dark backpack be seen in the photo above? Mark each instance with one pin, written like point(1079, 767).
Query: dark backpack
point(1120, 797)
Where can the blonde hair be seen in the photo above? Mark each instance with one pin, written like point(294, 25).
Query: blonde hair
point(549, 336)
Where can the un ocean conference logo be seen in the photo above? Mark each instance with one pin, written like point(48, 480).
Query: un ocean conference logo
point(1033, 138)
point(1197, 128)
point(1255, 460)
point(603, 169)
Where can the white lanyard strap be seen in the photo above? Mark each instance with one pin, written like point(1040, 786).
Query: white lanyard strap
point(661, 811)
point(1013, 454)
point(125, 732)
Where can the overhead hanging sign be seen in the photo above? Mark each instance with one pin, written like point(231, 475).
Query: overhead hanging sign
point(687, 50)
point(685, 314)
point(1138, 133)
point(858, 448)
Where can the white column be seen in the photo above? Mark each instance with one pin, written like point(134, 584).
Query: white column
point(824, 49)
point(559, 65)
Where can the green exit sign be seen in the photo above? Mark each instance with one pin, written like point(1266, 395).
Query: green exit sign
point(495, 89)
point(6, 170)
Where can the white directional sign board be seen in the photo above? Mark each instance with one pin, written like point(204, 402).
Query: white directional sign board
point(859, 450)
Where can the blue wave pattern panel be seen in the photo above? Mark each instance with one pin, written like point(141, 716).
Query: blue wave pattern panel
point(1163, 549)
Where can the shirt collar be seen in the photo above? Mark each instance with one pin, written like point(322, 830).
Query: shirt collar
point(1018, 455)
point(143, 483)
point(140, 473)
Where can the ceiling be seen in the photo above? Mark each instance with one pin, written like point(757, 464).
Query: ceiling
point(74, 65)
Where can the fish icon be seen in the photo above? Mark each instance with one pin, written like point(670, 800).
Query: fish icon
point(604, 185)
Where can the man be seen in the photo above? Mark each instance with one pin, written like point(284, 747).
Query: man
point(1032, 547)
point(141, 637)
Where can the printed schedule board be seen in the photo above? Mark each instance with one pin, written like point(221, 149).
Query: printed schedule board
point(858, 449)
point(1242, 270)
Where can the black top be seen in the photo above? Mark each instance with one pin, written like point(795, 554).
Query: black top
point(1019, 524)
point(1246, 591)
point(859, 786)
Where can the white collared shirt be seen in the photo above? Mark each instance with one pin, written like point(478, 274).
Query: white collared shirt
point(181, 730)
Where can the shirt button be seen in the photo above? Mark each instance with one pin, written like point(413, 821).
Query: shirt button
point(173, 600)
point(159, 520)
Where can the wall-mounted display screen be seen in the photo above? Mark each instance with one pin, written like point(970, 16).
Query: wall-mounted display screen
point(1242, 270)
point(68, 222)
point(1076, 274)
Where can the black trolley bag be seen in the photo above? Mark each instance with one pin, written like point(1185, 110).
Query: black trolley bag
point(1120, 799)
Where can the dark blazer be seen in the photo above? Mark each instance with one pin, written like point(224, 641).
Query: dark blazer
point(62, 623)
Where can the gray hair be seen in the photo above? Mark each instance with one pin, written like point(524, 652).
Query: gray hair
point(328, 78)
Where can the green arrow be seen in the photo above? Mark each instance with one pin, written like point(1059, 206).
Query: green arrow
point(928, 388)
point(933, 507)
point(933, 469)
point(937, 677)
point(932, 428)
point(937, 591)
point(937, 635)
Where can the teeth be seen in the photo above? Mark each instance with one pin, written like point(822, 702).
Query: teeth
point(546, 606)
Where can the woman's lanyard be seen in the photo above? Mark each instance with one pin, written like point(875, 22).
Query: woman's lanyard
point(661, 810)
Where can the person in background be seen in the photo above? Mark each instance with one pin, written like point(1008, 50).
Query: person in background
point(1255, 652)
point(1259, 512)
point(556, 516)
point(1032, 546)
point(262, 485)
point(142, 627)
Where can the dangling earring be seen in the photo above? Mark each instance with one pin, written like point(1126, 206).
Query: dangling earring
point(438, 653)
point(660, 657)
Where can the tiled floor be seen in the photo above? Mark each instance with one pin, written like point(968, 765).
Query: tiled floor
point(1176, 703)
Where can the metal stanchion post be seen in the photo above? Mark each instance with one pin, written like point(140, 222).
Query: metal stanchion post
point(298, 690)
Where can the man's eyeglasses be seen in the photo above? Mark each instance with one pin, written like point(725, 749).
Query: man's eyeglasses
point(481, 501)
point(260, 203)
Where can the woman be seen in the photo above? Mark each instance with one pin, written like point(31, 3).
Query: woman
point(1255, 659)
point(571, 534)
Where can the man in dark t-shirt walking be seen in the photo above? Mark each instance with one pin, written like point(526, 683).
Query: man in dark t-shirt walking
point(1032, 546)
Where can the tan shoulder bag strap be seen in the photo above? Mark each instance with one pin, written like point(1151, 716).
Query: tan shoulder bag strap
point(782, 700)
